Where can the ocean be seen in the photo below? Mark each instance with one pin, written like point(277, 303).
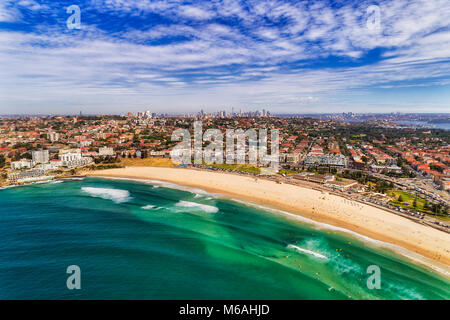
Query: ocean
point(443, 125)
point(152, 240)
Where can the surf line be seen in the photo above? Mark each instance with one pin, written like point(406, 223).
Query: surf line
point(192, 310)
point(315, 254)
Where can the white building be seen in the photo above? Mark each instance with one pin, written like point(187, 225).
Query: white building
point(21, 164)
point(40, 156)
point(105, 151)
point(48, 166)
point(69, 157)
point(53, 136)
point(74, 159)
point(327, 159)
point(85, 143)
point(30, 175)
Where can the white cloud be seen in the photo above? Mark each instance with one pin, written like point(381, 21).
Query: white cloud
point(32, 5)
point(195, 13)
point(8, 13)
point(217, 63)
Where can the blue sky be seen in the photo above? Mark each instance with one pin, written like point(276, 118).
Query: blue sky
point(182, 56)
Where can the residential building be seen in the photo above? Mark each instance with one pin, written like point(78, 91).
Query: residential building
point(40, 156)
point(21, 164)
point(105, 151)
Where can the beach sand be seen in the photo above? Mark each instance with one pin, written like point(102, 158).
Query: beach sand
point(363, 219)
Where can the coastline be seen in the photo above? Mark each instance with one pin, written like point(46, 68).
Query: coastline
point(308, 204)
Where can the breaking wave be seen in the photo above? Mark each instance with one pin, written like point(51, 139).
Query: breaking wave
point(301, 250)
point(203, 207)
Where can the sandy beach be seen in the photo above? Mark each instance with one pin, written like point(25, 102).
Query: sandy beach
point(363, 219)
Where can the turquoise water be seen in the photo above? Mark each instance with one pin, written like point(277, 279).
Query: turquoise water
point(136, 240)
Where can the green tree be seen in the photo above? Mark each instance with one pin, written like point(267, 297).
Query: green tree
point(27, 155)
point(2, 161)
point(400, 198)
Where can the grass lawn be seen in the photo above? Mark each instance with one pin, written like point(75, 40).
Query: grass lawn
point(287, 171)
point(407, 197)
point(237, 167)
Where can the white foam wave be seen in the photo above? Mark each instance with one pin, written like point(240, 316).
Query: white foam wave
point(116, 195)
point(320, 225)
point(404, 292)
point(73, 179)
point(203, 207)
point(150, 206)
point(315, 254)
point(8, 187)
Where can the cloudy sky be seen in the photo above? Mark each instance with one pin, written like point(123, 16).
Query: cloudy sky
point(182, 56)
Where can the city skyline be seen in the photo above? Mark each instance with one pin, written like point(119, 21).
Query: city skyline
point(224, 111)
point(179, 57)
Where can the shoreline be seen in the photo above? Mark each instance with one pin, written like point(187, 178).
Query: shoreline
point(398, 233)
